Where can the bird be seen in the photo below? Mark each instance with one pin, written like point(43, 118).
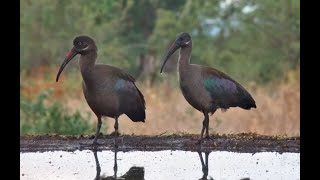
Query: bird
point(206, 89)
point(108, 90)
point(134, 173)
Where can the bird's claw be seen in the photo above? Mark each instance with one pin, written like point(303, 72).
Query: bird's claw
point(207, 137)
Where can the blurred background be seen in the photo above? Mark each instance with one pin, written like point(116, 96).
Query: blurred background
point(256, 42)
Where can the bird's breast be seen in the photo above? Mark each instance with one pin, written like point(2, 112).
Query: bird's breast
point(195, 94)
point(101, 98)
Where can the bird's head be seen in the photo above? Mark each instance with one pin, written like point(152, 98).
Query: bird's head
point(81, 45)
point(183, 40)
point(84, 44)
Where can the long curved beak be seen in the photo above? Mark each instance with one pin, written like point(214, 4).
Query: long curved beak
point(72, 53)
point(172, 49)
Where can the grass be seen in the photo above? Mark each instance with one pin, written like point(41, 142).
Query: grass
point(37, 118)
point(277, 113)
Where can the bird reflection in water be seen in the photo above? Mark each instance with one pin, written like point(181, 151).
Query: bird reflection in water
point(205, 165)
point(134, 173)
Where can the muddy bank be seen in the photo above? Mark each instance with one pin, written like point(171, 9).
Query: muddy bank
point(246, 143)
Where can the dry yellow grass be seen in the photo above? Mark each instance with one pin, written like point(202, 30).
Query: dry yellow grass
point(277, 113)
point(168, 111)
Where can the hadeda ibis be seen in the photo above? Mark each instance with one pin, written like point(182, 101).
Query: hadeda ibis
point(206, 89)
point(108, 90)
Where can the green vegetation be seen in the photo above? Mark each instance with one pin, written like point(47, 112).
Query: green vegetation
point(250, 40)
point(37, 118)
point(256, 42)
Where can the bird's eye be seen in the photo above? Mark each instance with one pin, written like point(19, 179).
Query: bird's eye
point(79, 43)
point(180, 39)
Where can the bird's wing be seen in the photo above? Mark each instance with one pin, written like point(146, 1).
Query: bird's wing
point(132, 101)
point(224, 91)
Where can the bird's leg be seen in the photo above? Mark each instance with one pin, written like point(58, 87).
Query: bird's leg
point(203, 128)
point(116, 127)
point(207, 126)
point(98, 130)
point(95, 143)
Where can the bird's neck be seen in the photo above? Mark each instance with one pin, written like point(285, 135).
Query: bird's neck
point(184, 59)
point(86, 63)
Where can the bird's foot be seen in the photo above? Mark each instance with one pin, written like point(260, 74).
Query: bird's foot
point(207, 137)
point(115, 133)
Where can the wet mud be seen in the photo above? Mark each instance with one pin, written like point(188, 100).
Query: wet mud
point(244, 143)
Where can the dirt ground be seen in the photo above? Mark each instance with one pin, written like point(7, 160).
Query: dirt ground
point(246, 143)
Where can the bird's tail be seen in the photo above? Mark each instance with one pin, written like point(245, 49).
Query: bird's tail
point(247, 102)
point(138, 114)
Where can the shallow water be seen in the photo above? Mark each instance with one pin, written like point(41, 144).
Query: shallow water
point(159, 165)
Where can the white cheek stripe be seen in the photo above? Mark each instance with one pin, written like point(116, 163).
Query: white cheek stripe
point(85, 48)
